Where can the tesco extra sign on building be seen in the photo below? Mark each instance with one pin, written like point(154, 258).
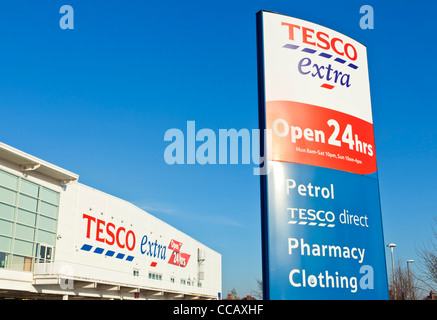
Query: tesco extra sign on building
point(113, 240)
point(322, 229)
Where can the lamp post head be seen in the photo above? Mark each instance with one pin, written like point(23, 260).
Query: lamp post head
point(391, 245)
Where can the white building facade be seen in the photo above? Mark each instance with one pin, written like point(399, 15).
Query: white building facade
point(62, 239)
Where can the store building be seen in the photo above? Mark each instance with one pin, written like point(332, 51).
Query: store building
point(60, 239)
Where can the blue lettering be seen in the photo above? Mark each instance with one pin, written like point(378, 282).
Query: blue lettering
point(150, 248)
point(143, 243)
point(318, 71)
point(322, 72)
point(154, 249)
point(304, 65)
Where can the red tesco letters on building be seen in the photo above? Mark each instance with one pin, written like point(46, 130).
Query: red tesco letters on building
point(110, 235)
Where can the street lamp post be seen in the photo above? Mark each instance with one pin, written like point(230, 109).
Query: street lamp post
point(391, 246)
point(409, 278)
point(408, 268)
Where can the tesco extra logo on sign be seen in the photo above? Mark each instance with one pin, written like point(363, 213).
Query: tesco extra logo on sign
point(121, 243)
point(335, 54)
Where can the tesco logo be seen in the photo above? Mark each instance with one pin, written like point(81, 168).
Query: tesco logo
point(110, 234)
point(117, 236)
point(322, 40)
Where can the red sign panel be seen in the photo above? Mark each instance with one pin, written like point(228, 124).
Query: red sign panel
point(308, 134)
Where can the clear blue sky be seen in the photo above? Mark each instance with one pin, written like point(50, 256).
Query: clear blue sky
point(98, 99)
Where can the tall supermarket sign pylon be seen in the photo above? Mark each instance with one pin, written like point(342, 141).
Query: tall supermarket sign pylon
point(321, 217)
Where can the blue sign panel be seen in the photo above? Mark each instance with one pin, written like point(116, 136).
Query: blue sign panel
point(325, 237)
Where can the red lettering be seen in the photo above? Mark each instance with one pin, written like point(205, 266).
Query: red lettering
point(130, 248)
point(99, 230)
point(290, 29)
point(333, 41)
point(348, 45)
point(306, 36)
point(117, 237)
point(322, 40)
point(88, 228)
point(325, 41)
point(110, 233)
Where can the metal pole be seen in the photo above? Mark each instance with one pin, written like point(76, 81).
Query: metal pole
point(391, 246)
point(393, 272)
point(409, 278)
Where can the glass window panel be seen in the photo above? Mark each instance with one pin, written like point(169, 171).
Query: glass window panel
point(27, 202)
point(42, 252)
point(24, 232)
point(7, 196)
point(50, 196)
point(6, 211)
point(23, 247)
point(49, 252)
point(5, 244)
point(4, 258)
point(26, 217)
point(48, 209)
point(6, 227)
point(29, 188)
point(17, 263)
point(46, 223)
point(46, 237)
point(28, 264)
point(8, 180)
